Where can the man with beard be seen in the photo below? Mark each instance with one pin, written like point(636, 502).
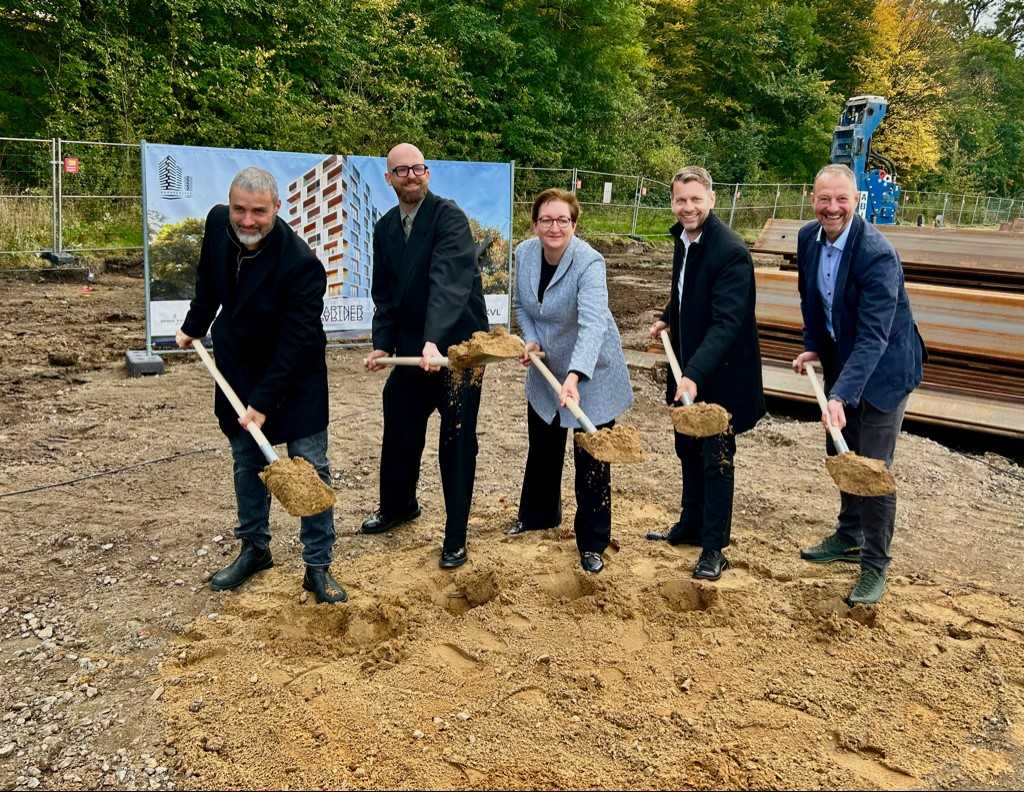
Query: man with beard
point(710, 320)
point(859, 326)
point(270, 343)
point(427, 295)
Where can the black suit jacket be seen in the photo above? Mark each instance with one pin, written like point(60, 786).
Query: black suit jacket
point(268, 337)
point(427, 288)
point(715, 334)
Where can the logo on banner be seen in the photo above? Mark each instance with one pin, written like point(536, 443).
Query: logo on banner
point(173, 183)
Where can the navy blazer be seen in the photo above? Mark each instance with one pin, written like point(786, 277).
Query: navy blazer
point(878, 354)
point(426, 288)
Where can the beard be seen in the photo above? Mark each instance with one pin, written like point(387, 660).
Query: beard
point(251, 237)
point(412, 193)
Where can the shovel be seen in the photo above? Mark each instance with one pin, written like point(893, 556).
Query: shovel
point(444, 362)
point(618, 444)
point(851, 472)
point(294, 481)
point(696, 420)
point(409, 361)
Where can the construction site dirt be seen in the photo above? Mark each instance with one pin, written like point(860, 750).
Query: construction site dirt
point(122, 669)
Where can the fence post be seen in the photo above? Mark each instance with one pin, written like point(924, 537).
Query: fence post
point(945, 203)
point(775, 206)
point(1009, 211)
point(732, 209)
point(803, 194)
point(59, 249)
point(53, 194)
point(960, 216)
point(636, 202)
point(974, 214)
point(572, 189)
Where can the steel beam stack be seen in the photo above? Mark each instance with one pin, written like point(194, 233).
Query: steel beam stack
point(974, 329)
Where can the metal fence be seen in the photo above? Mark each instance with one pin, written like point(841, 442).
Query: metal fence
point(627, 205)
point(68, 197)
point(84, 198)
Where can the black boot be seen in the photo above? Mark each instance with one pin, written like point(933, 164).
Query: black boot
point(250, 561)
point(324, 587)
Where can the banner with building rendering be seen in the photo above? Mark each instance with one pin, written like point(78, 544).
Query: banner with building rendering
point(331, 200)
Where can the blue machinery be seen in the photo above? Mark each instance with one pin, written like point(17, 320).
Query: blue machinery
point(851, 145)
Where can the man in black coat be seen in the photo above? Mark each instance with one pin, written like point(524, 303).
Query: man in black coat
point(270, 343)
point(427, 294)
point(710, 319)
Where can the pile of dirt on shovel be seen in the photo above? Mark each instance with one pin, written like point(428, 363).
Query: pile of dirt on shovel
point(618, 444)
point(483, 347)
point(700, 419)
point(295, 484)
point(860, 475)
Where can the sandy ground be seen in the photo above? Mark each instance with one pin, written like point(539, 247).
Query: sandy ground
point(122, 669)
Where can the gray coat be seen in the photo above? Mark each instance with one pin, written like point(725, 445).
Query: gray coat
point(576, 331)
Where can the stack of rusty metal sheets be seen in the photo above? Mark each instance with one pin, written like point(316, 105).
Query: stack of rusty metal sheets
point(975, 336)
point(965, 257)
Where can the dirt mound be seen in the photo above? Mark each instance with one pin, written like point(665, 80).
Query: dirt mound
point(522, 671)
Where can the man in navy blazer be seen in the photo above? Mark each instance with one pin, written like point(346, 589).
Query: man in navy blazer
point(859, 326)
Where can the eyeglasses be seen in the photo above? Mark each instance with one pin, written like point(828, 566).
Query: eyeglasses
point(401, 171)
point(545, 223)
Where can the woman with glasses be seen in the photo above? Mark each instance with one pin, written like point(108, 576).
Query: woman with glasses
point(562, 308)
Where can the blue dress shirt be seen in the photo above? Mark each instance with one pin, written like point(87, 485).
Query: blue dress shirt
point(828, 267)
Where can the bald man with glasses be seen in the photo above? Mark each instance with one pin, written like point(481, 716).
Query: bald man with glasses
point(427, 294)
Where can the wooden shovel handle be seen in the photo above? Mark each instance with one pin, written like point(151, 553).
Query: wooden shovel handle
point(408, 361)
point(574, 408)
point(254, 430)
point(837, 436)
point(677, 372)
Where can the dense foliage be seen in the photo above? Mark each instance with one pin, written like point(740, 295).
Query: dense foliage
point(751, 88)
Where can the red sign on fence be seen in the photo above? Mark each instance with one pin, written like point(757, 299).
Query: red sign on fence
point(71, 164)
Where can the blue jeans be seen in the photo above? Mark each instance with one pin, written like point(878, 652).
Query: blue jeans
point(316, 533)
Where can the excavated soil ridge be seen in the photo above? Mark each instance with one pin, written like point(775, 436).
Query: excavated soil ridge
point(296, 485)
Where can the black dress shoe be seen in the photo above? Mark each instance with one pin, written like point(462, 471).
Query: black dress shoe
point(453, 558)
point(673, 535)
point(377, 523)
point(710, 565)
point(591, 562)
point(519, 527)
point(250, 561)
point(324, 587)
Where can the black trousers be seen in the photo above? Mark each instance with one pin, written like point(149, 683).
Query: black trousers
point(705, 517)
point(866, 522)
point(410, 396)
point(540, 505)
